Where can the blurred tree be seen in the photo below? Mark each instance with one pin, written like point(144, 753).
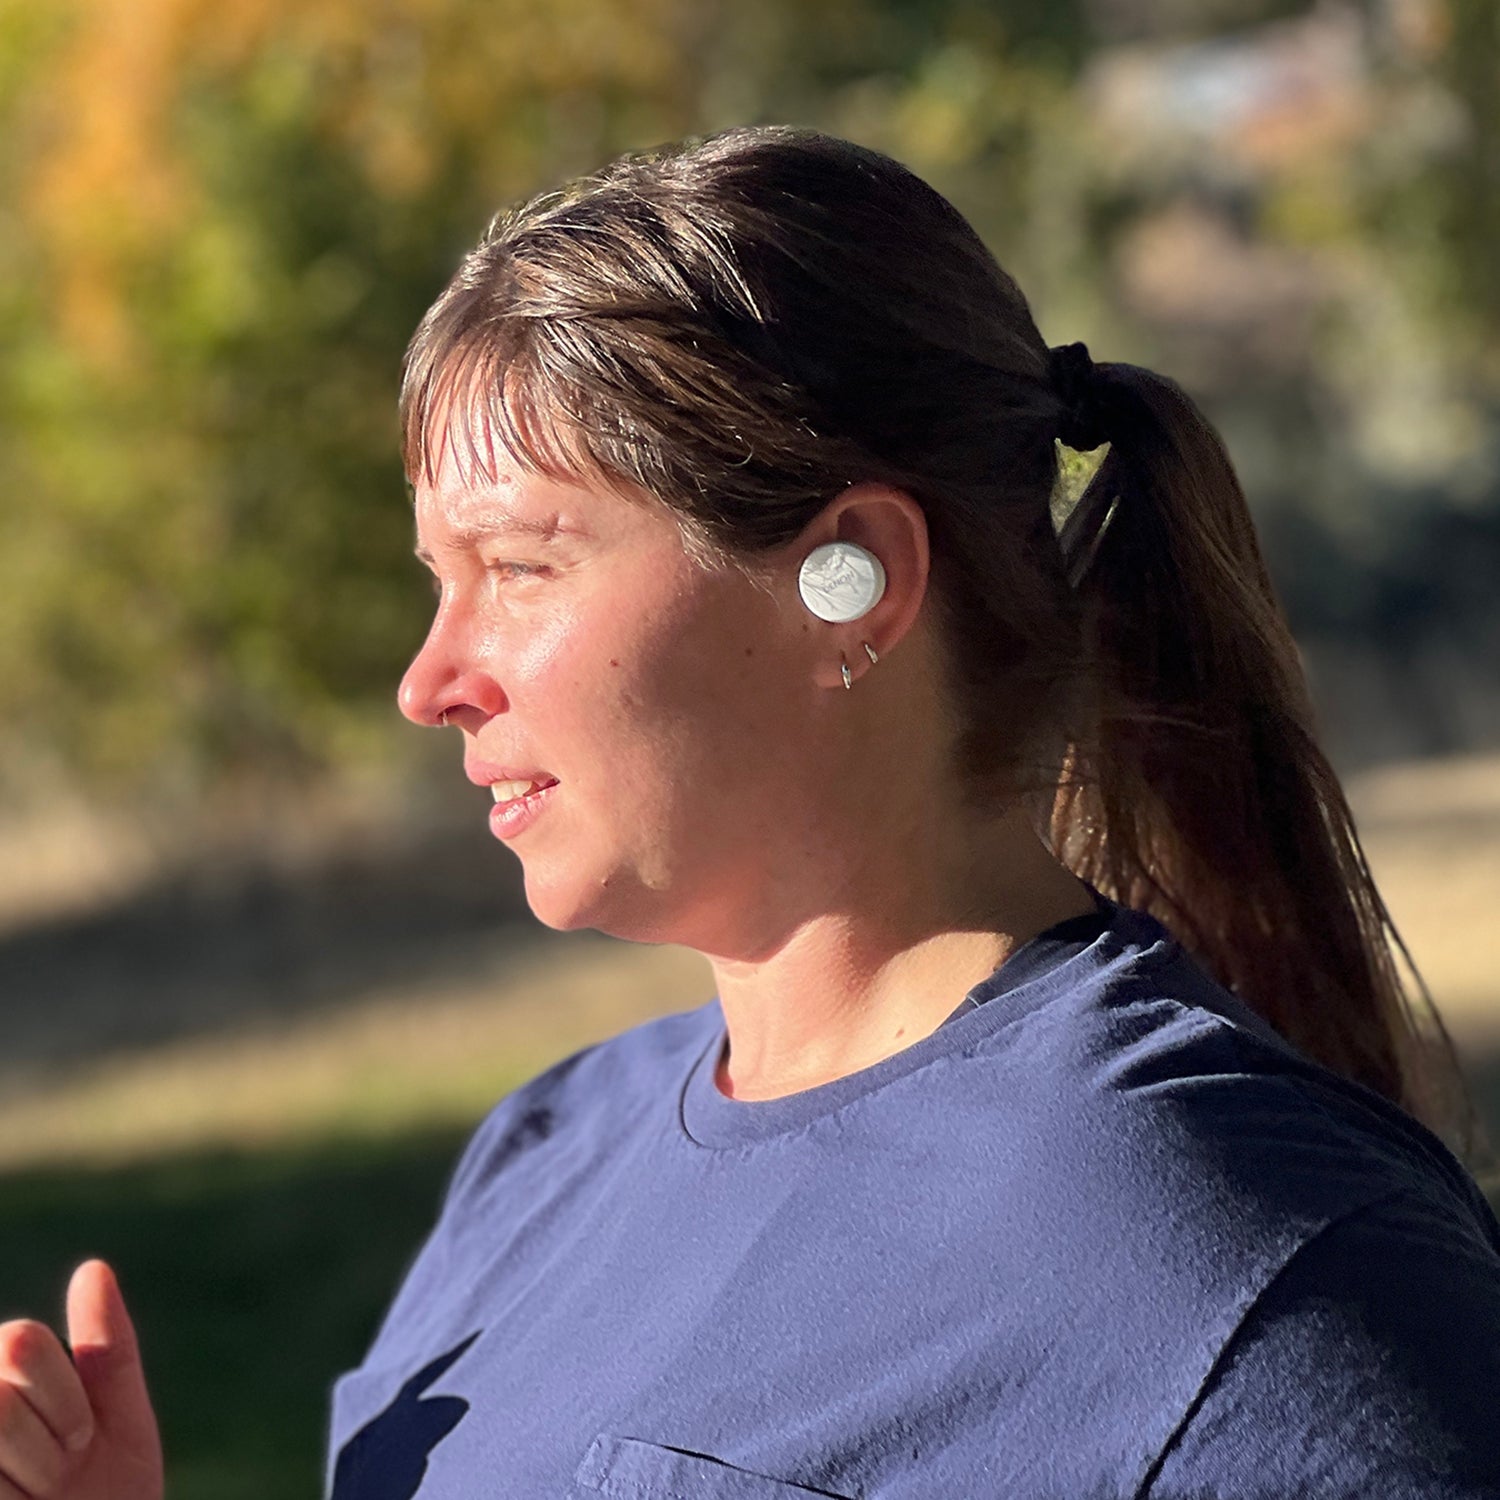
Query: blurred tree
point(227, 224)
point(222, 225)
point(1469, 220)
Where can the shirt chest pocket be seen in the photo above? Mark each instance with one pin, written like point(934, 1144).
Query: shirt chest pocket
point(621, 1468)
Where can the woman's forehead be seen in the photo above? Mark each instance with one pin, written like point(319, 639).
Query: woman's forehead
point(459, 506)
point(463, 504)
point(488, 470)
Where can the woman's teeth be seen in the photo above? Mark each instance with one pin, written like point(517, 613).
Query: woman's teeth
point(508, 791)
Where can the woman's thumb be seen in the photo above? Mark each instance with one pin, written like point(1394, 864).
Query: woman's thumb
point(106, 1354)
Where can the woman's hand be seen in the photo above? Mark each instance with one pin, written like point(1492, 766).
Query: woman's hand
point(79, 1428)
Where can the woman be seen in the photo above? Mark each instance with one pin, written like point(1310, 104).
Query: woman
point(1052, 1132)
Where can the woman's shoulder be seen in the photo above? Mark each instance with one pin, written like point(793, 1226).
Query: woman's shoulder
point(1204, 1188)
point(592, 1094)
point(1370, 1364)
point(1163, 1106)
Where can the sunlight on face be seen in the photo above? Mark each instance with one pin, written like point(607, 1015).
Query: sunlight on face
point(636, 707)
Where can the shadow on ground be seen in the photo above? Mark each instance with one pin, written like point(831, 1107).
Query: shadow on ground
point(208, 948)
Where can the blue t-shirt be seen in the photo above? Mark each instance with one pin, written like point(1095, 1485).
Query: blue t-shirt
point(1103, 1233)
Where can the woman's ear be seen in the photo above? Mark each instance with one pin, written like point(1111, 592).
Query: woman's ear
point(888, 524)
point(891, 526)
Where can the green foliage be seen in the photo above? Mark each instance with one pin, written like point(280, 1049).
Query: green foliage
point(1074, 471)
point(222, 228)
point(253, 1280)
point(225, 238)
point(211, 574)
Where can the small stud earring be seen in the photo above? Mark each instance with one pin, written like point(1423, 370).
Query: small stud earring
point(844, 669)
point(870, 652)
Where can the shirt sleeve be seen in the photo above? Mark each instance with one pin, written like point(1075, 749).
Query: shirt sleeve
point(1369, 1366)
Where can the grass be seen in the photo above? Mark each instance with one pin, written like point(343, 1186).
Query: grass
point(254, 1278)
point(415, 1057)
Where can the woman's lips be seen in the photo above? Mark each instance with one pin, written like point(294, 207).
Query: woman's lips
point(494, 772)
point(519, 801)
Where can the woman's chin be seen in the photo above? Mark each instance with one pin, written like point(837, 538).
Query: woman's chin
point(572, 904)
point(615, 905)
point(552, 910)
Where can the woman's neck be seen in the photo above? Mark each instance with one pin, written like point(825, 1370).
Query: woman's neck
point(842, 989)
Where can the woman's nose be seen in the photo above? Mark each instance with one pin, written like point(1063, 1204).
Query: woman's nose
point(442, 682)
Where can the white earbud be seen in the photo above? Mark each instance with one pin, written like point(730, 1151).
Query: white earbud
point(841, 581)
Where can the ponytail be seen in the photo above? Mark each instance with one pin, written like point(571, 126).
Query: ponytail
point(1196, 789)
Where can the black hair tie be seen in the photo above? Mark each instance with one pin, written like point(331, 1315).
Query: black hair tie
point(1071, 374)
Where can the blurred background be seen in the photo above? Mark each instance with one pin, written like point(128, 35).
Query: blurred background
point(261, 964)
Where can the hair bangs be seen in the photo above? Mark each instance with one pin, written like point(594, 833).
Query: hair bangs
point(469, 397)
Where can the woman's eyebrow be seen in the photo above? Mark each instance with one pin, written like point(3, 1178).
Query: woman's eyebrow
point(487, 528)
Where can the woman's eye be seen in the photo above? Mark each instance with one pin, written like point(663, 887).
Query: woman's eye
point(506, 569)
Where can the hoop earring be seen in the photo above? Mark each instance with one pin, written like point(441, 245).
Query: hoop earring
point(844, 670)
point(870, 652)
point(443, 718)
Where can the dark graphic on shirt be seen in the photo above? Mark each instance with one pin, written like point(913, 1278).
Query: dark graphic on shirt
point(535, 1125)
point(387, 1458)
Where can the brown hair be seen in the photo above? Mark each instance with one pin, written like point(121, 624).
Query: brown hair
point(744, 326)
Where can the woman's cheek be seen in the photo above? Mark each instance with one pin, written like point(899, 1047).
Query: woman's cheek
point(527, 651)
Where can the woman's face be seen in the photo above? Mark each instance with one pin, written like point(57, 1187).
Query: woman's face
point(643, 718)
